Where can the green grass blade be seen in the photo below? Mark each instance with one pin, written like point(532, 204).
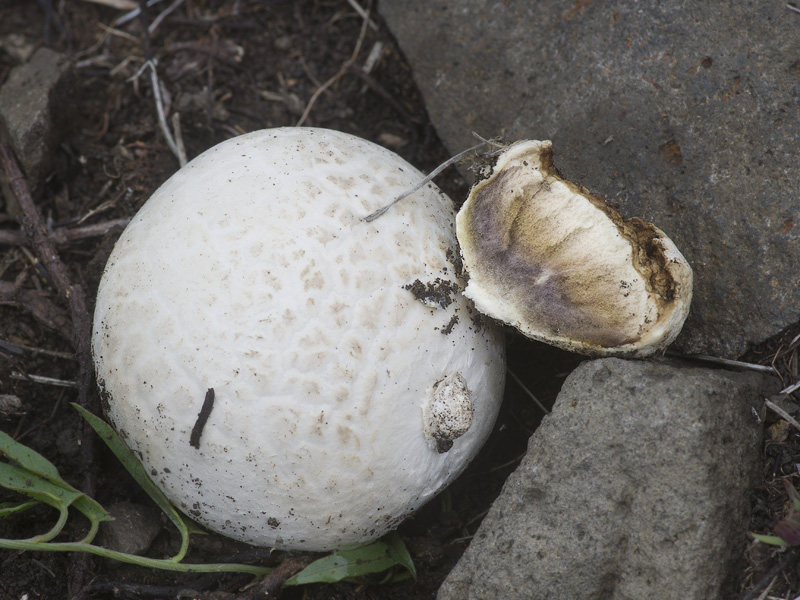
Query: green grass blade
point(33, 462)
point(137, 471)
point(769, 539)
point(364, 560)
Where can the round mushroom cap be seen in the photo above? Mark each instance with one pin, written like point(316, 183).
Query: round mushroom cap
point(562, 266)
point(290, 374)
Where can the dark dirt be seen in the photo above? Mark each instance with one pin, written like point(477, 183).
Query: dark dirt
point(229, 67)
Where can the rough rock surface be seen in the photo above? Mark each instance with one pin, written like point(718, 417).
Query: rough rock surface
point(635, 486)
point(133, 529)
point(35, 107)
point(681, 113)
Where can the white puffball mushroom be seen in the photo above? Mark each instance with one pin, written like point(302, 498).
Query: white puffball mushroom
point(288, 373)
point(562, 266)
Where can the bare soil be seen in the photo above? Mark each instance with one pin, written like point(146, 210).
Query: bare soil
point(229, 67)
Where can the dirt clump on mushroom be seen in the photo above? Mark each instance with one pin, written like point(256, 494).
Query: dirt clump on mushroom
point(438, 293)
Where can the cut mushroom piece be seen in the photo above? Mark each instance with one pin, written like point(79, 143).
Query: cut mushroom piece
point(562, 266)
point(262, 349)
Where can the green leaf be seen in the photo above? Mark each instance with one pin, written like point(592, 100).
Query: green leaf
point(36, 464)
point(399, 553)
point(27, 458)
point(769, 539)
point(364, 560)
point(36, 477)
point(137, 471)
point(18, 479)
point(33, 485)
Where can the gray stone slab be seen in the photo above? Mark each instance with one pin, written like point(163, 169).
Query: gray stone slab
point(37, 105)
point(635, 486)
point(682, 113)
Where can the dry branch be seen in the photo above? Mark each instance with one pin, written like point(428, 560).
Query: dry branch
point(45, 249)
point(75, 297)
point(63, 235)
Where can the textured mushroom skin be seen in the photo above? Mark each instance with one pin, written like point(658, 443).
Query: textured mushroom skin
point(252, 272)
point(561, 265)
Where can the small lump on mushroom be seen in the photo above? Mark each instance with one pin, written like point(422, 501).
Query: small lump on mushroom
point(258, 347)
point(448, 414)
point(562, 266)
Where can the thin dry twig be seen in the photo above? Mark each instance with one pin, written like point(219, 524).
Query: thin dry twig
point(271, 585)
point(342, 70)
point(364, 14)
point(35, 350)
point(372, 216)
point(38, 305)
point(118, 589)
point(64, 235)
point(116, 32)
point(45, 248)
point(177, 148)
point(118, 4)
point(738, 364)
point(381, 91)
point(163, 15)
point(75, 297)
point(527, 391)
point(792, 388)
point(134, 13)
point(783, 414)
point(768, 579)
point(43, 380)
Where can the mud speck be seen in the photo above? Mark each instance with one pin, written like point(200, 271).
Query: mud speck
point(436, 294)
point(448, 329)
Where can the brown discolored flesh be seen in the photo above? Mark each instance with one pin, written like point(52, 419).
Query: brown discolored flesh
point(564, 267)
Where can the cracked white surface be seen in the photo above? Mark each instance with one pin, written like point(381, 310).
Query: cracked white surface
point(252, 272)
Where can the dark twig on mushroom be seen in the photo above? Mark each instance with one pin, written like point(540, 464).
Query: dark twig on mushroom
point(202, 419)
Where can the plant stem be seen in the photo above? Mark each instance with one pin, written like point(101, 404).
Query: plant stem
point(142, 561)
